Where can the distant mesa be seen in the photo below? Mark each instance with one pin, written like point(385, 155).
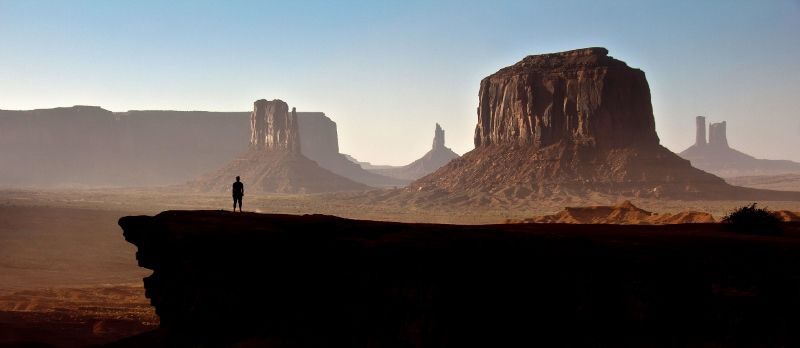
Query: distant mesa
point(319, 142)
point(88, 146)
point(624, 213)
point(438, 156)
point(274, 162)
point(50, 147)
point(717, 157)
point(574, 122)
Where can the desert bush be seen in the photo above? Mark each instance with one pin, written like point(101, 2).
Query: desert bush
point(752, 220)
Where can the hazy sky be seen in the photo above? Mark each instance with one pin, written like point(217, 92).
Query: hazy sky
point(386, 71)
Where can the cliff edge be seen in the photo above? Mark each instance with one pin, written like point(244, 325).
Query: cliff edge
point(223, 279)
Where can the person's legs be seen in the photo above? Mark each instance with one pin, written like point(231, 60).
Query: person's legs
point(239, 200)
point(234, 203)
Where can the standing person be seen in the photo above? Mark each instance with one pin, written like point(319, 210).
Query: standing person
point(238, 193)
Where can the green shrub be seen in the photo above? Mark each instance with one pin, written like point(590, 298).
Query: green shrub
point(752, 220)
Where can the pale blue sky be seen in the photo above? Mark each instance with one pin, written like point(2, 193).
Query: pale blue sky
point(386, 71)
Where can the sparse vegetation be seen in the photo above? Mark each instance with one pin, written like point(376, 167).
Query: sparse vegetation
point(753, 220)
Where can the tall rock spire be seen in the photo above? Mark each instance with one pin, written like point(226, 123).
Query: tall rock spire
point(700, 138)
point(438, 137)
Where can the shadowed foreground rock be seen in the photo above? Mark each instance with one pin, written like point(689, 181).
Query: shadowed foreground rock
point(250, 280)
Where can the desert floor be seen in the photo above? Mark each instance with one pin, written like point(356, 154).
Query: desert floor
point(68, 278)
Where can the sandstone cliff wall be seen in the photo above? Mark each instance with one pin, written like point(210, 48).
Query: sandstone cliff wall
point(273, 127)
point(583, 96)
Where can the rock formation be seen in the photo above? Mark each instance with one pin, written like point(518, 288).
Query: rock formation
point(717, 135)
point(700, 137)
point(583, 97)
point(573, 122)
point(624, 213)
point(274, 163)
point(272, 127)
point(438, 156)
point(223, 279)
point(87, 146)
point(718, 158)
point(319, 142)
point(788, 216)
point(50, 147)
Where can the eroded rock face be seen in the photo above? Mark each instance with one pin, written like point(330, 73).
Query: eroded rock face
point(438, 137)
point(583, 96)
point(273, 127)
point(570, 123)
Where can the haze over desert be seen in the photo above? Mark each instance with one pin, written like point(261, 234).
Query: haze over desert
point(415, 174)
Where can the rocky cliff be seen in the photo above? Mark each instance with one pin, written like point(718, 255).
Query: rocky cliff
point(573, 122)
point(320, 143)
point(717, 157)
point(274, 162)
point(581, 96)
point(438, 156)
point(249, 280)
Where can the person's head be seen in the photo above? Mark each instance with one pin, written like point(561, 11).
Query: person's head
point(237, 179)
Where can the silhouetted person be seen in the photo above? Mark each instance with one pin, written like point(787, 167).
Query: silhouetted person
point(238, 193)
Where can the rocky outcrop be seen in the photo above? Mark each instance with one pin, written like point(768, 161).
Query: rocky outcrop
point(573, 122)
point(272, 127)
point(788, 216)
point(718, 158)
point(319, 142)
point(717, 134)
point(624, 213)
point(700, 136)
point(438, 138)
point(224, 279)
point(274, 162)
point(438, 156)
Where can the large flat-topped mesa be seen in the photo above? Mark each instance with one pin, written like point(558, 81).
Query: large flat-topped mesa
point(570, 124)
point(581, 96)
